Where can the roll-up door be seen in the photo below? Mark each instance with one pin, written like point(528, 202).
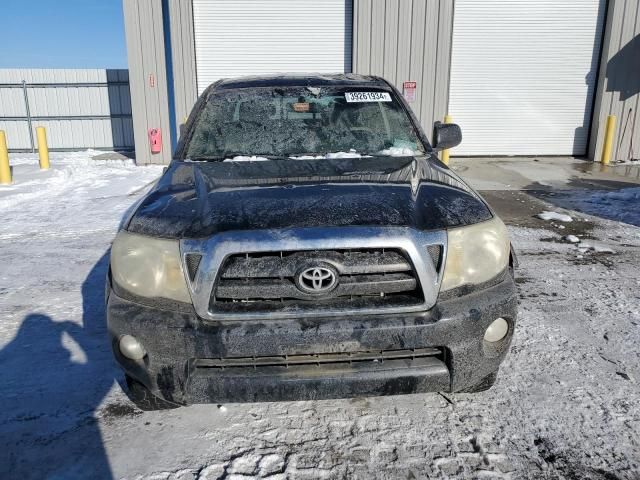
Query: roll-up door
point(523, 75)
point(253, 37)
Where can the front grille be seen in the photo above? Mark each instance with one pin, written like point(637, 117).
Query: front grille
point(320, 359)
point(270, 282)
point(193, 262)
point(435, 252)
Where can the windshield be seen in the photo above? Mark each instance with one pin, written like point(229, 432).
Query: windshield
point(302, 122)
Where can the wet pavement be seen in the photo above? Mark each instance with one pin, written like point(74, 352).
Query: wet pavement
point(520, 188)
point(544, 173)
point(519, 209)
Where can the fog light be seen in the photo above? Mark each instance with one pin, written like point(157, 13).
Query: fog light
point(497, 330)
point(131, 348)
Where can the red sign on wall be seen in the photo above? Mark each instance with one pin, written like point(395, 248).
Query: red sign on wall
point(409, 91)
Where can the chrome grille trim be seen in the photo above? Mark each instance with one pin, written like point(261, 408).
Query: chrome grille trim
point(216, 249)
point(348, 263)
point(263, 278)
point(275, 288)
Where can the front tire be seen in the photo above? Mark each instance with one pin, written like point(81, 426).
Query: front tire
point(144, 399)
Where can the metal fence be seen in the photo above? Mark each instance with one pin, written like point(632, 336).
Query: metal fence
point(89, 108)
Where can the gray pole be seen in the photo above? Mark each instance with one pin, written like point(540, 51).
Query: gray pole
point(26, 106)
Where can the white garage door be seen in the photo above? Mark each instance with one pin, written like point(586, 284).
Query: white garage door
point(252, 37)
point(523, 75)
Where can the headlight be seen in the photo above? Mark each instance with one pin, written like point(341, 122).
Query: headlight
point(148, 267)
point(475, 253)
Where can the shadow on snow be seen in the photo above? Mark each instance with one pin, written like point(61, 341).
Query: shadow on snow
point(52, 390)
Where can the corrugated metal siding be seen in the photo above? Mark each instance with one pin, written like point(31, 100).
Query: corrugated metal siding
point(144, 30)
point(184, 58)
point(619, 82)
point(523, 75)
point(113, 101)
point(253, 37)
point(407, 40)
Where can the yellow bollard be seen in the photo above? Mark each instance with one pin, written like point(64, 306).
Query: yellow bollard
point(608, 139)
point(445, 153)
point(5, 169)
point(43, 149)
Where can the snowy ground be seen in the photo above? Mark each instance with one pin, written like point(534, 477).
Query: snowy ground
point(566, 405)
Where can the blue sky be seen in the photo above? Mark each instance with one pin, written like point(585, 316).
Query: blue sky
point(62, 34)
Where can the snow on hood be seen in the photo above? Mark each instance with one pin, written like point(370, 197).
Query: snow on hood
point(391, 152)
point(350, 154)
point(244, 158)
point(398, 152)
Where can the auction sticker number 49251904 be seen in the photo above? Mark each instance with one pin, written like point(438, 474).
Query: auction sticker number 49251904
point(367, 97)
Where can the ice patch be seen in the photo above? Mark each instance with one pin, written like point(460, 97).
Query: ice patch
point(619, 204)
point(560, 217)
point(595, 247)
point(212, 472)
point(271, 464)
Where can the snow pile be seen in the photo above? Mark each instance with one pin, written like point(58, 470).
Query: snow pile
point(57, 201)
point(595, 247)
point(560, 217)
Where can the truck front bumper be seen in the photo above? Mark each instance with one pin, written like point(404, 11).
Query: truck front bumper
point(191, 360)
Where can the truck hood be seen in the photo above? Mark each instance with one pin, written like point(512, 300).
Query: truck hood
point(199, 199)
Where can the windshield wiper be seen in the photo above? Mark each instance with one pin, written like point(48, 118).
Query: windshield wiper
point(205, 159)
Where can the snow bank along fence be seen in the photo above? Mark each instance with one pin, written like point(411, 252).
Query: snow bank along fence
point(88, 108)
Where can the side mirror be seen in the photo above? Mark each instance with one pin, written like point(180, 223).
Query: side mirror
point(446, 135)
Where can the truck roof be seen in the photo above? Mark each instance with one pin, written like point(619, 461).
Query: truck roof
point(305, 79)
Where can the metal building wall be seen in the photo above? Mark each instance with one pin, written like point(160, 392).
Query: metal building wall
point(183, 57)
point(407, 40)
point(619, 82)
point(89, 108)
point(145, 32)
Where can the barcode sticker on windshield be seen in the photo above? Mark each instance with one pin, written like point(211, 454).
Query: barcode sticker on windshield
point(367, 97)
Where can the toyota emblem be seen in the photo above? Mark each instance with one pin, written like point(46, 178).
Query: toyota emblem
point(317, 280)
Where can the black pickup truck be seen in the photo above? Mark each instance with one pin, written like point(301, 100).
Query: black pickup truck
point(307, 243)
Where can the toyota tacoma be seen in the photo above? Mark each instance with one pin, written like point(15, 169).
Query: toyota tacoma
point(307, 243)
